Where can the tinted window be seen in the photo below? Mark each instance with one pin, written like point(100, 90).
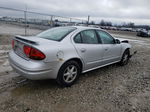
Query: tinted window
point(89, 37)
point(78, 39)
point(105, 37)
point(56, 34)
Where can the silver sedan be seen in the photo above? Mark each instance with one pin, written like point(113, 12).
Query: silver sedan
point(63, 53)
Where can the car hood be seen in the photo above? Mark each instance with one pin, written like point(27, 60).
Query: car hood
point(122, 39)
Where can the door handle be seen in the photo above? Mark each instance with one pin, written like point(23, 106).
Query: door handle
point(83, 50)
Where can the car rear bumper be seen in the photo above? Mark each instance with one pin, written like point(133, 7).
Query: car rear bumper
point(30, 69)
point(33, 75)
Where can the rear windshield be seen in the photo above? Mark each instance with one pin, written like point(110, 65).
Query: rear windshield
point(56, 34)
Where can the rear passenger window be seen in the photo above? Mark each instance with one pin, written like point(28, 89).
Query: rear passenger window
point(89, 37)
point(77, 38)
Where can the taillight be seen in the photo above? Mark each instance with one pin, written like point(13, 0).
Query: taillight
point(27, 50)
point(36, 54)
point(13, 44)
point(33, 53)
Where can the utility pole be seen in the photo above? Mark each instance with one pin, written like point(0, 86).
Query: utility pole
point(51, 24)
point(88, 20)
point(25, 19)
point(70, 20)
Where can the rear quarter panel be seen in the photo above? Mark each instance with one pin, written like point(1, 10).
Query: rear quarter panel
point(58, 52)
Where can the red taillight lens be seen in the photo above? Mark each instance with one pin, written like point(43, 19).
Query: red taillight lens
point(33, 53)
point(36, 54)
point(13, 44)
point(27, 50)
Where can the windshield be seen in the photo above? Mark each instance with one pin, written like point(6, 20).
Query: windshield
point(56, 34)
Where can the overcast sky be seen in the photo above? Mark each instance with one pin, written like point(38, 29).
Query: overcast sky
point(116, 11)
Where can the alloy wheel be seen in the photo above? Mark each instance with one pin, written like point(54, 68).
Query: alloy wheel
point(70, 74)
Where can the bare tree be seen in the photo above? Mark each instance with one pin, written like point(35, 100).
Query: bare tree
point(105, 23)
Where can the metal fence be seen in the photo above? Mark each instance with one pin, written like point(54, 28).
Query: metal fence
point(29, 20)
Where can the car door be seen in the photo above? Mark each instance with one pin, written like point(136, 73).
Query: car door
point(112, 50)
point(89, 48)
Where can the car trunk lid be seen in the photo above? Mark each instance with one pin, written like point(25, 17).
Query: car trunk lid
point(35, 42)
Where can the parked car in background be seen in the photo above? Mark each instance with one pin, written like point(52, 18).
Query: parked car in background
point(143, 33)
point(94, 26)
point(126, 29)
point(63, 53)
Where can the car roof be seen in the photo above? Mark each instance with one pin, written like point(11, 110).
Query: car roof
point(80, 27)
point(84, 27)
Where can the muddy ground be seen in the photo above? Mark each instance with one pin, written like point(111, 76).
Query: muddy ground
point(108, 89)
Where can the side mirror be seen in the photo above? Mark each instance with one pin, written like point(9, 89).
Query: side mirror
point(117, 41)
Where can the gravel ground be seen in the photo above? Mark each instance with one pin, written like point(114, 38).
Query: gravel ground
point(108, 89)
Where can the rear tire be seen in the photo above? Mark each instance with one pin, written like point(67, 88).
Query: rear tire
point(68, 73)
point(125, 57)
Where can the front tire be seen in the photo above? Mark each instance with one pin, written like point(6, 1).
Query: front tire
point(68, 74)
point(125, 57)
